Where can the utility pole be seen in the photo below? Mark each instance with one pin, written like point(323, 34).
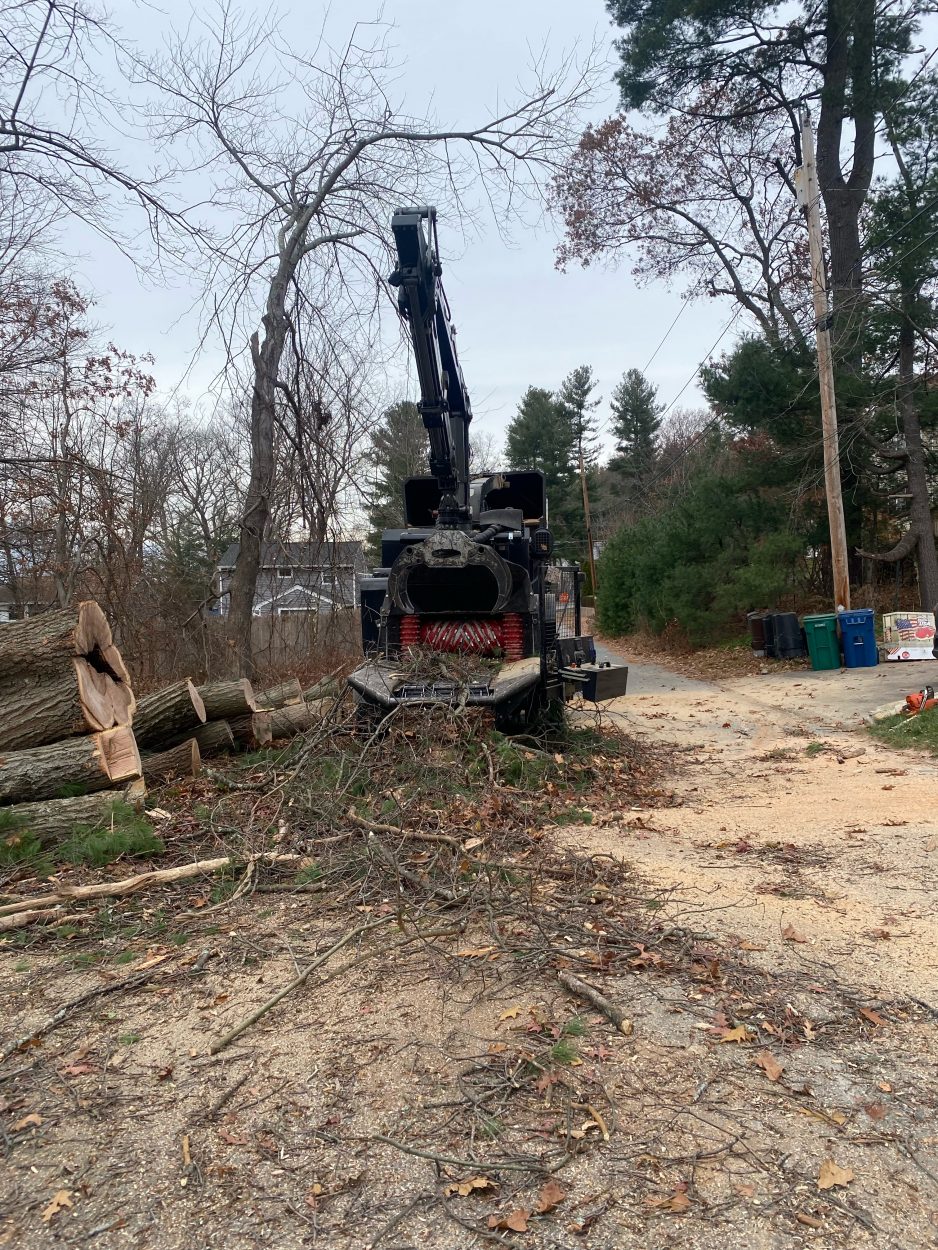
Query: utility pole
point(809, 196)
point(589, 524)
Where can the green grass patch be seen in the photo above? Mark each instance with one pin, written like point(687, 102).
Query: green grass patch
point(575, 1027)
point(128, 835)
point(814, 748)
point(128, 1039)
point(920, 732)
point(573, 816)
point(307, 875)
point(563, 1053)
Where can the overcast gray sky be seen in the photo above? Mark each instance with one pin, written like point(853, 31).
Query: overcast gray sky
point(520, 321)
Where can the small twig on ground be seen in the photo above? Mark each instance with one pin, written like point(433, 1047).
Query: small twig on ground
point(612, 1013)
point(227, 1095)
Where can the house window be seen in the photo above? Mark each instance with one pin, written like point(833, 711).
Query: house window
point(285, 572)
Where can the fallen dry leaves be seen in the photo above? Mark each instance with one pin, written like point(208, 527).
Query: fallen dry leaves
point(770, 1065)
point(465, 1188)
point(833, 1175)
point(60, 1199)
point(551, 1195)
point(676, 1204)
point(33, 1120)
point(791, 934)
point(515, 1222)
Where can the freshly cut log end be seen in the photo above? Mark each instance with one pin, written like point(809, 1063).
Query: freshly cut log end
point(94, 762)
point(60, 675)
point(228, 700)
point(287, 692)
point(183, 760)
point(251, 731)
point(166, 714)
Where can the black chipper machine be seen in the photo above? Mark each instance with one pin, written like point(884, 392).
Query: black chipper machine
point(469, 605)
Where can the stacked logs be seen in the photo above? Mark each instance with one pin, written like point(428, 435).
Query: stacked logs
point(73, 738)
point(183, 724)
point(66, 710)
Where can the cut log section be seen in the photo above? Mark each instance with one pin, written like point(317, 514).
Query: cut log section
point(184, 760)
point(288, 692)
point(45, 643)
point(287, 722)
point(164, 715)
point(226, 700)
point(96, 762)
point(45, 708)
point(60, 674)
point(55, 820)
point(325, 688)
point(215, 738)
point(251, 731)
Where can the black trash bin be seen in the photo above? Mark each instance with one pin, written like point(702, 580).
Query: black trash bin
point(789, 636)
point(768, 633)
point(756, 632)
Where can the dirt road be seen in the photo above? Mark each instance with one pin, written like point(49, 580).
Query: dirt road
point(788, 814)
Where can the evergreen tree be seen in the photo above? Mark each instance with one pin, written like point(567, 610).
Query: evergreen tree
point(636, 418)
point(398, 451)
point(578, 408)
point(542, 436)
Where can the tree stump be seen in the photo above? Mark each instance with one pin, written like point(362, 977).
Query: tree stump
point(164, 715)
point(183, 760)
point(95, 762)
point(227, 700)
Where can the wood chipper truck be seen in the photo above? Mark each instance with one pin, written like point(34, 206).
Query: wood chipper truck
point(468, 605)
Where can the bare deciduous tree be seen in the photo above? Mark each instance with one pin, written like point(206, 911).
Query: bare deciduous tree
point(313, 155)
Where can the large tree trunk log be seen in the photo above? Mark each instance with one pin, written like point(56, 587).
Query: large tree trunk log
point(251, 731)
point(288, 692)
point(44, 708)
point(165, 715)
point(55, 820)
point(215, 738)
point(44, 643)
point(325, 687)
point(225, 700)
point(287, 722)
point(183, 760)
point(95, 762)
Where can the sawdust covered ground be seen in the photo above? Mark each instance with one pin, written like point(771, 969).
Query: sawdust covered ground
point(764, 915)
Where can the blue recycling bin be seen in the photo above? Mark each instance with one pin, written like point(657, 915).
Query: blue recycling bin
point(858, 638)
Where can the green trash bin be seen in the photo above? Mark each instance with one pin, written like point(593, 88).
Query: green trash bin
point(823, 643)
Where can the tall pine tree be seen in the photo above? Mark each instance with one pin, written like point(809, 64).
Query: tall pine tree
point(398, 451)
point(636, 418)
point(578, 408)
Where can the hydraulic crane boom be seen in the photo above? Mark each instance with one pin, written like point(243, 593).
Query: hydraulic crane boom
point(444, 403)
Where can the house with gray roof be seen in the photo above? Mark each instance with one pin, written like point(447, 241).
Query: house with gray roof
point(298, 577)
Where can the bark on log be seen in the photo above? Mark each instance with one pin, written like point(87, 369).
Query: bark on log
point(287, 722)
point(183, 760)
point(164, 715)
point(215, 738)
point(326, 687)
point(287, 692)
point(55, 820)
point(96, 762)
point(37, 709)
point(225, 700)
point(44, 643)
point(251, 731)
